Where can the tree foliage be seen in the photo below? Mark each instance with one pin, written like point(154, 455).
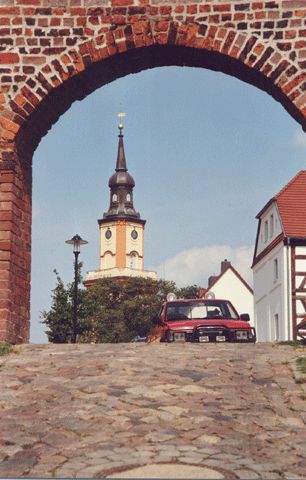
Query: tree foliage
point(111, 310)
point(59, 318)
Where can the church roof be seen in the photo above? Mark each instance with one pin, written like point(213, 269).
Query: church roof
point(121, 185)
point(291, 203)
point(121, 177)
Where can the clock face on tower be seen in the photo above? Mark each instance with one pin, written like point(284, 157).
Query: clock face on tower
point(134, 234)
point(108, 234)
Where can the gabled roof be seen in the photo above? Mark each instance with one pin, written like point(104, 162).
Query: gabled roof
point(230, 267)
point(291, 203)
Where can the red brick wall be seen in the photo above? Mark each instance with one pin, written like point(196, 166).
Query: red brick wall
point(53, 52)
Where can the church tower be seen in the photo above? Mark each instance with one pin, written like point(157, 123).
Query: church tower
point(121, 228)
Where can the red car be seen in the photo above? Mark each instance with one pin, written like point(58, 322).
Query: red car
point(203, 321)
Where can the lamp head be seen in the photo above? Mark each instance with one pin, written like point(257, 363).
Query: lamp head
point(76, 241)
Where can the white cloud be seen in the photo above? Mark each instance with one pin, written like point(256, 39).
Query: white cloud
point(194, 266)
point(299, 139)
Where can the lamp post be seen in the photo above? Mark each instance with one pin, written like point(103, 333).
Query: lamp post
point(76, 241)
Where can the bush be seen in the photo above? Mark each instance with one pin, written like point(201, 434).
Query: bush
point(302, 364)
point(5, 349)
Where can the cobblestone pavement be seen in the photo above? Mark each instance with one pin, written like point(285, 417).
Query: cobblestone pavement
point(94, 410)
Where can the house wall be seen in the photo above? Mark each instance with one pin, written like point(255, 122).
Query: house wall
point(230, 287)
point(274, 296)
point(271, 296)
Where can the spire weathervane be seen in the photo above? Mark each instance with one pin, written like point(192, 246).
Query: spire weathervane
point(121, 115)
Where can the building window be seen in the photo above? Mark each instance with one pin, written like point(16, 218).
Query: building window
point(271, 225)
point(115, 197)
point(275, 269)
point(276, 326)
point(266, 228)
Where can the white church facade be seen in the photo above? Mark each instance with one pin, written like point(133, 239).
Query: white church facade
point(279, 263)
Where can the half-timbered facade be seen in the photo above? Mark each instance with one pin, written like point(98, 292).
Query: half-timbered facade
point(279, 264)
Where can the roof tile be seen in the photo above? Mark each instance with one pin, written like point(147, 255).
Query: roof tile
point(291, 202)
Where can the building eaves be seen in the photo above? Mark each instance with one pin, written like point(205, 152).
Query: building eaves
point(268, 249)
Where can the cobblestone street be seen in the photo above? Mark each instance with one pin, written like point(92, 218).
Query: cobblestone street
point(98, 410)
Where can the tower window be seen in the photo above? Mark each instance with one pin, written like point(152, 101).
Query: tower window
point(128, 197)
point(114, 197)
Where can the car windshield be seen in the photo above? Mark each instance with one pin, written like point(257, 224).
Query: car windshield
point(198, 310)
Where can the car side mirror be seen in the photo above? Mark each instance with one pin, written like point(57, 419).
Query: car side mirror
point(245, 317)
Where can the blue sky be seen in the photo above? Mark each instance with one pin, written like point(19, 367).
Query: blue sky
point(206, 150)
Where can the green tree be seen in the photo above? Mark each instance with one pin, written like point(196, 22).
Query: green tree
point(192, 291)
point(119, 310)
point(112, 310)
point(59, 318)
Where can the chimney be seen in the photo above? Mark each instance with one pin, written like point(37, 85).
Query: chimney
point(224, 265)
point(211, 279)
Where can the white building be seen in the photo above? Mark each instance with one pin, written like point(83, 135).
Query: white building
point(231, 286)
point(279, 264)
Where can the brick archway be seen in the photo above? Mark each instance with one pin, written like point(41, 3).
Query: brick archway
point(52, 56)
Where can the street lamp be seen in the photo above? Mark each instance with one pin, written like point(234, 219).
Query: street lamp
point(76, 241)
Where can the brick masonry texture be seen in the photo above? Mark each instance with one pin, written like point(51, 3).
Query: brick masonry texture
point(53, 52)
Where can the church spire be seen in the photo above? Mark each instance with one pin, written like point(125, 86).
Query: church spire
point(121, 185)
point(121, 161)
